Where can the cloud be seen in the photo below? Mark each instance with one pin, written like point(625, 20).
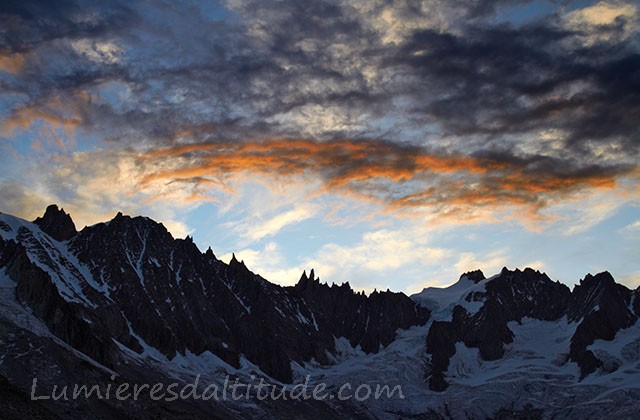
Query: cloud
point(432, 110)
point(603, 13)
point(397, 176)
point(56, 111)
point(255, 227)
point(514, 82)
point(378, 255)
point(325, 70)
point(20, 199)
point(632, 227)
point(395, 256)
point(11, 63)
point(93, 186)
point(490, 262)
point(604, 21)
point(31, 23)
point(99, 52)
point(587, 209)
point(394, 21)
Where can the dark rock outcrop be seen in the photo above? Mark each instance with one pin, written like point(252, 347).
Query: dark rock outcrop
point(36, 290)
point(603, 308)
point(57, 224)
point(367, 321)
point(508, 297)
point(475, 276)
point(441, 345)
point(516, 294)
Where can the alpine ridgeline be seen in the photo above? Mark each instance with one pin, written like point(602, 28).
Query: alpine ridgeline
point(124, 302)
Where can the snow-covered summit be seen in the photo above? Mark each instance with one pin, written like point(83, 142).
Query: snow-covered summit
point(442, 300)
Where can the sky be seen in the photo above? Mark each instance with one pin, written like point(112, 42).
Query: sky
point(388, 143)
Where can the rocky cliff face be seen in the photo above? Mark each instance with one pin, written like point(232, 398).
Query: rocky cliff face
point(57, 224)
point(602, 307)
point(128, 282)
point(598, 307)
point(64, 319)
point(367, 321)
point(510, 296)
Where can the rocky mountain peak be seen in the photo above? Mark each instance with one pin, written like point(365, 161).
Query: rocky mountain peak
point(593, 292)
point(236, 264)
point(306, 281)
point(602, 281)
point(209, 253)
point(602, 307)
point(475, 276)
point(302, 283)
point(56, 223)
point(482, 322)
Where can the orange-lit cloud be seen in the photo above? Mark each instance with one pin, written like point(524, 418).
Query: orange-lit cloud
point(400, 176)
point(60, 112)
point(355, 160)
point(12, 63)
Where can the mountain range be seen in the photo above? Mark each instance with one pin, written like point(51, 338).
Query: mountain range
point(123, 302)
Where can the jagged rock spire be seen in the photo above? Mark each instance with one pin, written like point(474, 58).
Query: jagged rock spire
point(209, 253)
point(57, 224)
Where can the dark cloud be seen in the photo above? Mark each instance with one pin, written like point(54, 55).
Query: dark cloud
point(500, 81)
point(442, 74)
point(29, 23)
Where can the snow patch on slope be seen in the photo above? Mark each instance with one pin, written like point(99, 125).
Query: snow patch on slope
point(539, 351)
point(69, 275)
point(148, 351)
point(465, 363)
point(442, 300)
point(22, 317)
point(621, 359)
point(11, 310)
